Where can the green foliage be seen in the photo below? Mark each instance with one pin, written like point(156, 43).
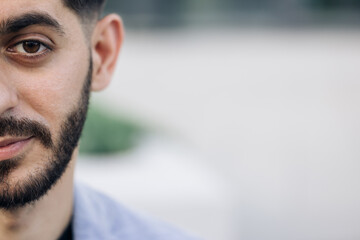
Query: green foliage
point(106, 133)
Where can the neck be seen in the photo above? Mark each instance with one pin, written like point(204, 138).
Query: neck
point(44, 219)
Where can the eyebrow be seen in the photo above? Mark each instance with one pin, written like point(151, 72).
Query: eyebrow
point(15, 24)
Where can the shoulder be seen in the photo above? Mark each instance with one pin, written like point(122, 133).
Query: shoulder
point(97, 216)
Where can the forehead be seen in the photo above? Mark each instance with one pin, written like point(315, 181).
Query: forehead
point(54, 8)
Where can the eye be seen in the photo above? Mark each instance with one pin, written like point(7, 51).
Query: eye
point(29, 47)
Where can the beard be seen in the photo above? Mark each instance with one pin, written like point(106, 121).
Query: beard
point(22, 192)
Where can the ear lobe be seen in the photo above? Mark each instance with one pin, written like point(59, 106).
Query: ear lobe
point(107, 39)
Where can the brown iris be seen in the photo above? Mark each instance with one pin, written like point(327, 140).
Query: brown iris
point(31, 46)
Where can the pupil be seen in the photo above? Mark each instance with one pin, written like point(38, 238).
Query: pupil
point(31, 46)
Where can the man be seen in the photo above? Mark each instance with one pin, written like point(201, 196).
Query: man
point(53, 53)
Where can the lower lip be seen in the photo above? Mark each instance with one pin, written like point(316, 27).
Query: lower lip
point(14, 149)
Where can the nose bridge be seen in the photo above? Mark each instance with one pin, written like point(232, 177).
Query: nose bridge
point(8, 94)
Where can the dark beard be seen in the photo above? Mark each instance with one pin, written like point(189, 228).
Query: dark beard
point(37, 184)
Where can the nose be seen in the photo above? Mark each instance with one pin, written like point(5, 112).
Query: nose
point(8, 97)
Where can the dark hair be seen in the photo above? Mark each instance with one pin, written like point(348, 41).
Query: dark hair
point(86, 9)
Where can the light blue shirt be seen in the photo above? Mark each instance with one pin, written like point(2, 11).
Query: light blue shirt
point(98, 217)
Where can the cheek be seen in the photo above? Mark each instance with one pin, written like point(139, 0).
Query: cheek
point(51, 93)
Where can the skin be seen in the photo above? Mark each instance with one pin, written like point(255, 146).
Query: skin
point(45, 87)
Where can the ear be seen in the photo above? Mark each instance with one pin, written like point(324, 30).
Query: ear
point(106, 40)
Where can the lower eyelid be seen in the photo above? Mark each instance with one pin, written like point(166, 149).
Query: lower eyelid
point(29, 59)
point(46, 50)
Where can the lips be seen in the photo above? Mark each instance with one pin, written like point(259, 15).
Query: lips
point(10, 141)
point(12, 147)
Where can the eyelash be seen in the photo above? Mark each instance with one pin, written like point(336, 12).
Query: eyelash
point(11, 50)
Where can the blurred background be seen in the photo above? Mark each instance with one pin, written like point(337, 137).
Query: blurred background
point(233, 119)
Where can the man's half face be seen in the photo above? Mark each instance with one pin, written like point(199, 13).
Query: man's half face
point(45, 78)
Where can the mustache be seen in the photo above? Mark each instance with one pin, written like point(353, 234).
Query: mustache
point(25, 127)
